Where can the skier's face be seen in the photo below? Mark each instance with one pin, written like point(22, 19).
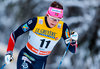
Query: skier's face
point(52, 21)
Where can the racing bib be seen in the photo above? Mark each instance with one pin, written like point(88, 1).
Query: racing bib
point(42, 39)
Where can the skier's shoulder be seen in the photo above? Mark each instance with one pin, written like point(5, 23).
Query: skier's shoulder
point(32, 20)
point(65, 26)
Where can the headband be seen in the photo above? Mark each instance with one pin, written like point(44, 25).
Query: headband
point(55, 12)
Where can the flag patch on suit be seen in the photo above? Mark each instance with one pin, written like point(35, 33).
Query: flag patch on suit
point(25, 27)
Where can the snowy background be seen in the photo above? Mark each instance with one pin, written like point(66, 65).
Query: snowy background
point(82, 16)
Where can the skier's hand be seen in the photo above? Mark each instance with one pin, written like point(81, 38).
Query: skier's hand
point(8, 57)
point(74, 36)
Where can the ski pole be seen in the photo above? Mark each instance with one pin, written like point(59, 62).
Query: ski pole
point(63, 56)
point(3, 66)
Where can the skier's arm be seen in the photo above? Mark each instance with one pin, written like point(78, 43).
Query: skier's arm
point(29, 25)
point(66, 35)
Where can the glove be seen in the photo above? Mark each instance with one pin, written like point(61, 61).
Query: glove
point(74, 36)
point(8, 57)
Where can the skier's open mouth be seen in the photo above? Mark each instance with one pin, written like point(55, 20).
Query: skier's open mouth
point(52, 24)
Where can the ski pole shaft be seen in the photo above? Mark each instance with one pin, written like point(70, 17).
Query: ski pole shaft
point(63, 56)
point(3, 66)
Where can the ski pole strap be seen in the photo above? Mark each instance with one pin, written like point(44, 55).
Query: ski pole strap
point(3, 66)
point(63, 55)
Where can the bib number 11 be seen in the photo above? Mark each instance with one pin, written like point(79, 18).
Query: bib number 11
point(43, 41)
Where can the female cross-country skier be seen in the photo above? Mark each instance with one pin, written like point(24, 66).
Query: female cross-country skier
point(44, 33)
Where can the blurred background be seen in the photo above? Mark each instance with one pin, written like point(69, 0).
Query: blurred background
point(82, 16)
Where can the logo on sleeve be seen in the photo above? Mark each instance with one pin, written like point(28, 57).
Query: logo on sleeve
point(25, 27)
point(30, 21)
